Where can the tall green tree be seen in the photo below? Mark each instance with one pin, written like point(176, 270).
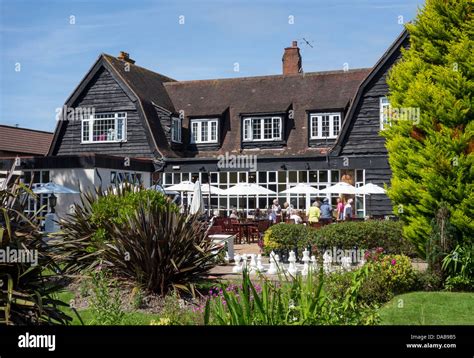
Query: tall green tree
point(431, 155)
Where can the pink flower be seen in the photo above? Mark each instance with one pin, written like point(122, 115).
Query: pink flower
point(394, 262)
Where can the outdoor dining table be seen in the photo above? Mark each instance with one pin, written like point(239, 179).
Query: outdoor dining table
point(244, 230)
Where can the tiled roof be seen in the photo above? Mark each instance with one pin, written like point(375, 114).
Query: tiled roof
point(24, 141)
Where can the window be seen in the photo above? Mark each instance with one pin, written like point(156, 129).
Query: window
point(384, 112)
point(176, 130)
point(204, 130)
point(104, 127)
point(325, 125)
point(262, 129)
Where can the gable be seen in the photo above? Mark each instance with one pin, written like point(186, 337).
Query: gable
point(360, 133)
point(103, 93)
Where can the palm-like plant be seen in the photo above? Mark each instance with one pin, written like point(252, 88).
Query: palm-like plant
point(26, 288)
point(155, 246)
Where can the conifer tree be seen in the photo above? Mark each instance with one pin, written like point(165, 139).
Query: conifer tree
point(431, 156)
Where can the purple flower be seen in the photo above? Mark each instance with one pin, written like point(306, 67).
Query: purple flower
point(394, 262)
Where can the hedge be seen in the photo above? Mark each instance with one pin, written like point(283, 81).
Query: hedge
point(346, 235)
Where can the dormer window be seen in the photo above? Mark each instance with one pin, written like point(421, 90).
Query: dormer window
point(262, 129)
point(204, 131)
point(104, 128)
point(325, 125)
point(176, 130)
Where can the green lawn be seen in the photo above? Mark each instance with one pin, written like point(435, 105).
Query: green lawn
point(429, 308)
point(130, 318)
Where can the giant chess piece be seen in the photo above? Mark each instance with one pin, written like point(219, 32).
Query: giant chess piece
point(237, 268)
point(305, 260)
point(327, 261)
point(272, 270)
point(260, 267)
point(253, 264)
point(292, 269)
point(244, 262)
point(314, 264)
point(279, 265)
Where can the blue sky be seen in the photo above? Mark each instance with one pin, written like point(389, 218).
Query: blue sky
point(54, 54)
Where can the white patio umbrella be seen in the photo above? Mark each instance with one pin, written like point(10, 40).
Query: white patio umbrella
point(52, 188)
point(197, 204)
point(209, 189)
point(304, 189)
point(370, 189)
point(243, 189)
point(340, 188)
point(248, 189)
point(184, 186)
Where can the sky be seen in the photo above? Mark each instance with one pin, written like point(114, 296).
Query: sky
point(47, 46)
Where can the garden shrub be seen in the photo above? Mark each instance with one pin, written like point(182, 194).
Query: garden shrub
point(116, 208)
point(388, 275)
point(285, 237)
point(347, 235)
point(155, 247)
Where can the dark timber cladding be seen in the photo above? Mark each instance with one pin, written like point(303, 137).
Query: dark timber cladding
point(104, 94)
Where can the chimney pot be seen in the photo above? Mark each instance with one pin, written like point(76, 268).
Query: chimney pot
point(125, 56)
point(292, 62)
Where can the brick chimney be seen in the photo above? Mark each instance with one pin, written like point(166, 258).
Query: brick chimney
point(292, 60)
point(124, 56)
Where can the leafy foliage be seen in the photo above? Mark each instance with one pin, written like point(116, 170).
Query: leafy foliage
point(431, 158)
point(346, 235)
point(26, 288)
point(302, 301)
point(155, 246)
point(105, 301)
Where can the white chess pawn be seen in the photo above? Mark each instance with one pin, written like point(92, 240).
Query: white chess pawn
point(292, 269)
point(277, 262)
point(260, 267)
point(237, 268)
point(305, 260)
point(314, 264)
point(253, 263)
point(244, 262)
point(273, 270)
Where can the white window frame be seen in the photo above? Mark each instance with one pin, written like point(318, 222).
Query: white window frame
point(247, 128)
point(89, 122)
point(198, 122)
point(384, 113)
point(176, 130)
point(333, 130)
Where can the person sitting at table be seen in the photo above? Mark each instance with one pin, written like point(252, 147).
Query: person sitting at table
point(233, 215)
point(314, 213)
point(295, 216)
